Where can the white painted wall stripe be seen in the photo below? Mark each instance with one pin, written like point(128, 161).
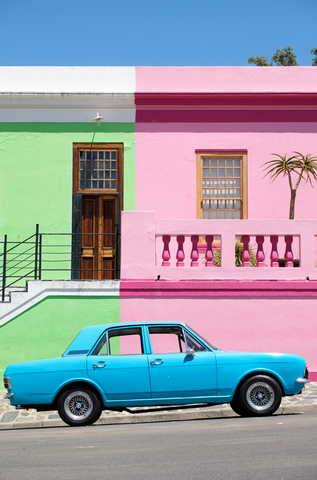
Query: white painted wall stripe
point(69, 115)
point(38, 290)
point(66, 108)
point(67, 79)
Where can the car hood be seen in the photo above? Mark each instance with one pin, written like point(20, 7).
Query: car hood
point(222, 356)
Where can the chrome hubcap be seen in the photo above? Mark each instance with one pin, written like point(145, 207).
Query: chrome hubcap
point(78, 405)
point(260, 396)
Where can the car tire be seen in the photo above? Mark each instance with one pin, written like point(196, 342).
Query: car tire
point(260, 396)
point(78, 407)
point(236, 406)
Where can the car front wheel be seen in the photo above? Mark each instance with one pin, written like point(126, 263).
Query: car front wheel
point(236, 407)
point(78, 407)
point(260, 396)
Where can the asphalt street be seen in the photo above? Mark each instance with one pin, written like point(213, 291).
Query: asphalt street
point(281, 447)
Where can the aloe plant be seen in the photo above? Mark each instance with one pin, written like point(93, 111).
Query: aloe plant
point(302, 166)
point(238, 255)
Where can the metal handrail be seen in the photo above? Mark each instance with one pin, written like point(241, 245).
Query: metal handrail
point(37, 256)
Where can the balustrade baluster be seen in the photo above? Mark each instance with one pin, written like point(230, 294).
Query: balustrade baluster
point(274, 252)
point(166, 252)
point(260, 254)
point(180, 255)
point(194, 253)
point(246, 254)
point(209, 254)
point(288, 251)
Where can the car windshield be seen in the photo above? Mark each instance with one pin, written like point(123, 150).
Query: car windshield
point(204, 340)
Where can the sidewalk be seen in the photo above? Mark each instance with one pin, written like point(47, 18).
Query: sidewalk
point(11, 418)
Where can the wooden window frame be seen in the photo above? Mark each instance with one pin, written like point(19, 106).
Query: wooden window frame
point(199, 178)
point(98, 146)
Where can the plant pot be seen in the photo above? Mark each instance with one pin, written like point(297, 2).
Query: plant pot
point(282, 261)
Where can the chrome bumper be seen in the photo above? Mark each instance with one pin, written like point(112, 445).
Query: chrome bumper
point(302, 380)
point(9, 395)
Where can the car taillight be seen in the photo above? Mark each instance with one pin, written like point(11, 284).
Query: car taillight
point(7, 383)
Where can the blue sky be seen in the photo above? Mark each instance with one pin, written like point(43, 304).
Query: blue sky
point(147, 32)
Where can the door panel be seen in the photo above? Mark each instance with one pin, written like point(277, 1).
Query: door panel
point(98, 237)
point(88, 239)
point(175, 375)
point(107, 241)
point(122, 377)
point(119, 364)
point(180, 366)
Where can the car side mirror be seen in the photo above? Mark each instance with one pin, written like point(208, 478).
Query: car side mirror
point(190, 351)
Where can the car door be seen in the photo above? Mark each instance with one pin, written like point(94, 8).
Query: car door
point(119, 365)
point(175, 372)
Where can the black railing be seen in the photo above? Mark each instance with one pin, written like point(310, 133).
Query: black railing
point(59, 256)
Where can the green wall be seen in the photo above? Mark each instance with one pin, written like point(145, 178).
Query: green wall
point(36, 163)
point(36, 187)
point(47, 329)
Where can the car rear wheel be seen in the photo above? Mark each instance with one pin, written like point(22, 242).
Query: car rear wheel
point(78, 407)
point(260, 396)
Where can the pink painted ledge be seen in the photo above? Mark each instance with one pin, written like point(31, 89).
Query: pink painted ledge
point(313, 376)
point(218, 288)
point(228, 99)
point(196, 115)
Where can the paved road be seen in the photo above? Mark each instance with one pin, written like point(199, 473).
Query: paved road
point(274, 448)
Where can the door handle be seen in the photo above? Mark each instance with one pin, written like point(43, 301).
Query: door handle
point(157, 362)
point(99, 365)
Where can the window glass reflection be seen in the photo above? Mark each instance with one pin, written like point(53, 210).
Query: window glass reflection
point(97, 164)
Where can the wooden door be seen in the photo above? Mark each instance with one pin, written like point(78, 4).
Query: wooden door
point(98, 244)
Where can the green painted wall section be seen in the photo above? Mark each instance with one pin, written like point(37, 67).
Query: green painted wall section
point(36, 163)
point(36, 186)
point(47, 329)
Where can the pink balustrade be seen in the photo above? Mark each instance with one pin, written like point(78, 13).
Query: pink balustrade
point(152, 247)
point(209, 254)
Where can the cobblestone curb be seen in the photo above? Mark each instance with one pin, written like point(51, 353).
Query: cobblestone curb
point(13, 419)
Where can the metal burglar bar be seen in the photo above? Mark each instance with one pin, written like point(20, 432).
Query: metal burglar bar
point(52, 256)
point(61, 257)
point(4, 275)
point(18, 262)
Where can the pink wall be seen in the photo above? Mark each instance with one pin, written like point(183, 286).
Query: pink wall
point(264, 325)
point(190, 109)
point(226, 79)
point(166, 166)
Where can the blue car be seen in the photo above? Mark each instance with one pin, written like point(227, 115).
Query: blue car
point(116, 366)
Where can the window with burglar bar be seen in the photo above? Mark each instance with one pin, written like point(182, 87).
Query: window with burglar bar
point(98, 168)
point(221, 186)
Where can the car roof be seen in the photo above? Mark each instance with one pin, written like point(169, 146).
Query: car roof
point(129, 324)
point(88, 336)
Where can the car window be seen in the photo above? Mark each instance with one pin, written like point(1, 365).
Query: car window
point(167, 340)
point(122, 341)
point(193, 344)
point(173, 340)
point(205, 341)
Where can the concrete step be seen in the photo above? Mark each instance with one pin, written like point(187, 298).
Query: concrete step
point(9, 290)
point(37, 290)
